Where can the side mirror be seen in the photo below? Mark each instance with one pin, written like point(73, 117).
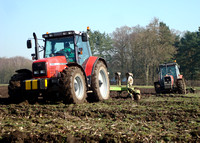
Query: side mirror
point(84, 37)
point(29, 44)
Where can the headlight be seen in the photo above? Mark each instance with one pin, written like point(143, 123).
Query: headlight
point(39, 69)
point(42, 72)
point(36, 72)
point(50, 35)
point(45, 35)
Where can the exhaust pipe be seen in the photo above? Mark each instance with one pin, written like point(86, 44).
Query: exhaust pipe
point(37, 56)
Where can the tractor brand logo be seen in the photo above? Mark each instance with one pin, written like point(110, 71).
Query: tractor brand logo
point(56, 64)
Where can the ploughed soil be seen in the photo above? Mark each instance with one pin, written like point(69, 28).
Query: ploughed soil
point(162, 118)
point(144, 91)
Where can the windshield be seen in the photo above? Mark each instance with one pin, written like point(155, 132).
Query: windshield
point(60, 47)
point(168, 70)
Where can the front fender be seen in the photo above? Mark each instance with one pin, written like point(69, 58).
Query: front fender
point(24, 71)
point(89, 66)
point(90, 63)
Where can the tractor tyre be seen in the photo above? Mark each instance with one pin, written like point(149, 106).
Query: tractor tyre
point(32, 98)
point(15, 90)
point(100, 82)
point(73, 85)
point(157, 87)
point(181, 86)
point(137, 97)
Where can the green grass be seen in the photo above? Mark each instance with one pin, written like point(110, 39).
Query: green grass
point(140, 86)
point(3, 84)
point(197, 88)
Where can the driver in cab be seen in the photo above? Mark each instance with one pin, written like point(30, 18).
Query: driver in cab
point(68, 52)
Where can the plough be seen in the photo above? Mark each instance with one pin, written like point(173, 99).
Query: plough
point(132, 92)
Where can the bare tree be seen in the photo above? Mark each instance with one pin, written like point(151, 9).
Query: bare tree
point(140, 49)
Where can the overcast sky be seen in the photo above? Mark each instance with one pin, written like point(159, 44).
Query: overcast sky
point(20, 18)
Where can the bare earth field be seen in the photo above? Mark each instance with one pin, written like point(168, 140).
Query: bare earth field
point(162, 118)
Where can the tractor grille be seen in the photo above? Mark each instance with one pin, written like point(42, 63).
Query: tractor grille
point(167, 79)
point(167, 83)
point(39, 69)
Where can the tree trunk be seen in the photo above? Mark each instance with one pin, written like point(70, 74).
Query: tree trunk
point(147, 74)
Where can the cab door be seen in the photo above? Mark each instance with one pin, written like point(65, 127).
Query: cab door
point(83, 50)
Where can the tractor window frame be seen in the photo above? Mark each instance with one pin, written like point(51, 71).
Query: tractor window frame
point(58, 40)
point(165, 70)
point(86, 52)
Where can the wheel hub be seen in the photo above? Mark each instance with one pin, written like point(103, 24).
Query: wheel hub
point(103, 83)
point(100, 83)
point(78, 87)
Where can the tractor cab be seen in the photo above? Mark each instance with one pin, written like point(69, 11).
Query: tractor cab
point(170, 69)
point(71, 44)
point(60, 49)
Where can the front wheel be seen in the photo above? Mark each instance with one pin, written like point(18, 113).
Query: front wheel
point(73, 85)
point(15, 88)
point(100, 82)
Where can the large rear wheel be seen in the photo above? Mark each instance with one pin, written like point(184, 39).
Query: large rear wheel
point(100, 82)
point(73, 85)
point(181, 86)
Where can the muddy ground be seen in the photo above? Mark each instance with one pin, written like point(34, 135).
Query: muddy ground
point(162, 118)
point(4, 91)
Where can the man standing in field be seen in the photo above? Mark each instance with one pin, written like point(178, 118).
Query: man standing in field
point(129, 84)
point(133, 93)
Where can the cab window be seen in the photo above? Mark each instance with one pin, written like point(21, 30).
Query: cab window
point(82, 47)
point(60, 47)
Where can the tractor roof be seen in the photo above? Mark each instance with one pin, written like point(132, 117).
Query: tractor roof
point(167, 64)
point(61, 34)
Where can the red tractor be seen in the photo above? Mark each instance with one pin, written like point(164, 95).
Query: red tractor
point(67, 71)
point(170, 79)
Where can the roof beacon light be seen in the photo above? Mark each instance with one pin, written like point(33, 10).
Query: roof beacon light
point(88, 28)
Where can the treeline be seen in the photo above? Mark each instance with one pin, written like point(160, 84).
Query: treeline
point(8, 66)
point(141, 49)
point(188, 55)
point(135, 49)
